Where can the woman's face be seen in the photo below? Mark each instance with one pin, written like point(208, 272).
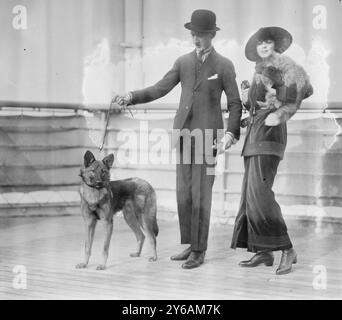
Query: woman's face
point(265, 48)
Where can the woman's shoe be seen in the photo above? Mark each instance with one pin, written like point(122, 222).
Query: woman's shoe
point(266, 258)
point(288, 258)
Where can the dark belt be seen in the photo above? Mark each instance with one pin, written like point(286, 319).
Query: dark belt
point(257, 108)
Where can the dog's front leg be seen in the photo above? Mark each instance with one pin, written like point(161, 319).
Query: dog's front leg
point(90, 230)
point(108, 234)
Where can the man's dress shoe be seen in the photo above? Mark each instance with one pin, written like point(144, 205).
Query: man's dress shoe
point(195, 259)
point(259, 258)
point(288, 257)
point(182, 256)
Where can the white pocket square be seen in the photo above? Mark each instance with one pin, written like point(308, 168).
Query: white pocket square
point(213, 77)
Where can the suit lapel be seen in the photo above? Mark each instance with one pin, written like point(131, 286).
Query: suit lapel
point(207, 68)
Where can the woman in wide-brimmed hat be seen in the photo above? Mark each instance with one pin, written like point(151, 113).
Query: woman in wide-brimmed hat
point(279, 85)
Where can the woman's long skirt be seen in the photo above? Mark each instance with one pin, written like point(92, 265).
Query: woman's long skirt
point(259, 224)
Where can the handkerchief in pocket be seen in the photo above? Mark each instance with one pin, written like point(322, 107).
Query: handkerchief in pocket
point(213, 77)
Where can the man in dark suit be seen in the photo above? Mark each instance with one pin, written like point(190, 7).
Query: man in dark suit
point(204, 75)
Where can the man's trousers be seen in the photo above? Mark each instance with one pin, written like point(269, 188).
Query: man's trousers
point(194, 193)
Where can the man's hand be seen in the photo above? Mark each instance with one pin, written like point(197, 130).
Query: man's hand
point(225, 143)
point(122, 100)
point(272, 120)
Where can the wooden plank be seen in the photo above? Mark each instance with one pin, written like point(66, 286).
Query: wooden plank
point(207, 281)
point(51, 253)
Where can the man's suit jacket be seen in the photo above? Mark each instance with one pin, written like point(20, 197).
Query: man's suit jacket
point(199, 92)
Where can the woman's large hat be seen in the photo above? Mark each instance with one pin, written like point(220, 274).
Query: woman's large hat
point(202, 21)
point(282, 40)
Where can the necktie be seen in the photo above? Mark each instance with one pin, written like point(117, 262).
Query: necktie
point(200, 55)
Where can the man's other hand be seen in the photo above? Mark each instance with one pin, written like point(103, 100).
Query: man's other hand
point(224, 144)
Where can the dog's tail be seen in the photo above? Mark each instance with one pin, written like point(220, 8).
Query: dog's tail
point(153, 211)
point(155, 227)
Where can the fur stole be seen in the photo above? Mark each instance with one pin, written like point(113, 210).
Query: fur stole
point(292, 74)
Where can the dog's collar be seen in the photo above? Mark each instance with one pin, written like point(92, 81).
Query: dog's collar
point(91, 186)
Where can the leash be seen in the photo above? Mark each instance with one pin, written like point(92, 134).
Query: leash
point(105, 130)
point(106, 126)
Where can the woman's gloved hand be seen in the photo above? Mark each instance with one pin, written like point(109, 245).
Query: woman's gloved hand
point(272, 120)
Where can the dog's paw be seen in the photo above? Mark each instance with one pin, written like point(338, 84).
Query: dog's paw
point(152, 259)
point(101, 267)
point(134, 255)
point(81, 265)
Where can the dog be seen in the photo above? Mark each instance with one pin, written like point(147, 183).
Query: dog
point(271, 101)
point(102, 198)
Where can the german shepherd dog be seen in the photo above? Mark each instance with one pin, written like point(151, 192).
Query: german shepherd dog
point(102, 198)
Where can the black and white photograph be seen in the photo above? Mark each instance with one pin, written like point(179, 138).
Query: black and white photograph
point(170, 150)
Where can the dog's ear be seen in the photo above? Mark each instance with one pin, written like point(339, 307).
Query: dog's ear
point(108, 160)
point(89, 158)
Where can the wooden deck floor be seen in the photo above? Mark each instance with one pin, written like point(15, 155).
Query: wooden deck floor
point(50, 247)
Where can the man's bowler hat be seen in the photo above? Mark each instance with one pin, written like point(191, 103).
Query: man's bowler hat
point(202, 21)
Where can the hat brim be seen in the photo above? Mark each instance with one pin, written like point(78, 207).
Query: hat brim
point(281, 37)
point(192, 27)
